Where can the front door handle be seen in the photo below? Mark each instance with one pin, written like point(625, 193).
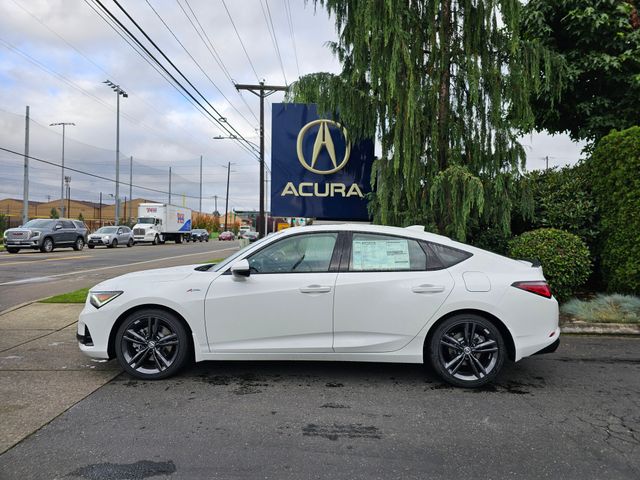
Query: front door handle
point(315, 289)
point(428, 288)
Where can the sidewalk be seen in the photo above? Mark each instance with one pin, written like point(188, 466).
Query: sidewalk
point(42, 372)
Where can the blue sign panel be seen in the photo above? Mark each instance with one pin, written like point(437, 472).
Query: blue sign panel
point(316, 171)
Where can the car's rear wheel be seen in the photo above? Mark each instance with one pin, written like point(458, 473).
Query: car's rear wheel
point(13, 250)
point(130, 242)
point(152, 344)
point(467, 351)
point(79, 245)
point(90, 246)
point(47, 246)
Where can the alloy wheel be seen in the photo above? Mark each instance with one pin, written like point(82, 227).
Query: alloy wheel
point(150, 345)
point(468, 351)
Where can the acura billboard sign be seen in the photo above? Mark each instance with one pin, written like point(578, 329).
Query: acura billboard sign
point(317, 171)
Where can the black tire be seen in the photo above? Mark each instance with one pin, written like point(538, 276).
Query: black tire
point(455, 354)
point(145, 331)
point(201, 239)
point(156, 240)
point(207, 240)
point(179, 239)
point(79, 245)
point(13, 250)
point(130, 243)
point(91, 246)
point(47, 245)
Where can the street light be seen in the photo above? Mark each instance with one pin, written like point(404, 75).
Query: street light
point(119, 91)
point(63, 124)
point(67, 180)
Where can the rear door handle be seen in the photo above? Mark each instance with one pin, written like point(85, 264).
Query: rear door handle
point(428, 288)
point(315, 289)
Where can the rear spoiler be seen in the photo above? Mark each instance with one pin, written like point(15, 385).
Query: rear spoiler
point(534, 262)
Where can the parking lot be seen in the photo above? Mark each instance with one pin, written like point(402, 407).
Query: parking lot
point(572, 414)
point(31, 275)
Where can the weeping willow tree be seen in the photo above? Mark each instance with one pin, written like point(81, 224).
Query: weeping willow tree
point(445, 87)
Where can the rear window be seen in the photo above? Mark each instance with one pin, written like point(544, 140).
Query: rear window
point(449, 256)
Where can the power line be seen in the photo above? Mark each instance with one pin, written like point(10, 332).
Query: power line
point(241, 42)
point(199, 66)
point(221, 121)
point(274, 38)
point(287, 9)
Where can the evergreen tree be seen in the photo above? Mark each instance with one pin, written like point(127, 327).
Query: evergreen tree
point(445, 85)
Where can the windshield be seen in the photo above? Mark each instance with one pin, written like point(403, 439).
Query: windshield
point(107, 230)
point(150, 220)
point(223, 264)
point(38, 223)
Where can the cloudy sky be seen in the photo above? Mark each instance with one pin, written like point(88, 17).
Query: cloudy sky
point(55, 54)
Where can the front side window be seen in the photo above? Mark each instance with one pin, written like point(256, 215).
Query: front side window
point(370, 252)
point(300, 253)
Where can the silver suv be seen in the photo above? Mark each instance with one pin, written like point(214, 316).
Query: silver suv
point(45, 234)
point(111, 237)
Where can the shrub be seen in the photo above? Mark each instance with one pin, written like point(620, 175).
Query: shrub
point(614, 169)
point(605, 309)
point(565, 258)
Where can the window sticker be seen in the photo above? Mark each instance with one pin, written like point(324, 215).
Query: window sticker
point(380, 255)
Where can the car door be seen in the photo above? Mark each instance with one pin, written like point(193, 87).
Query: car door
point(121, 236)
point(69, 231)
point(59, 233)
point(387, 289)
point(284, 305)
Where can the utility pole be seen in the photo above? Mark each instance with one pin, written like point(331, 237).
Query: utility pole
point(226, 205)
point(200, 207)
point(63, 125)
point(547, 160)
point(262, 91)
point(130, 186)
point(169, 185)
point(100, 209)
point(215, 199)
point(119, 91)
point(25, 187)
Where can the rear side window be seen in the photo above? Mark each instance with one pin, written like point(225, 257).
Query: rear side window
point(370, 252)
point(67, 224)
point(449, 256)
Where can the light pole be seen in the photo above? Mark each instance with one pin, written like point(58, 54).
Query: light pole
point(119, 91)
point(64, 125)
point(67, 181)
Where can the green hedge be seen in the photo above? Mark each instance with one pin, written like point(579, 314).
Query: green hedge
point(615, 177)
point(565, 258)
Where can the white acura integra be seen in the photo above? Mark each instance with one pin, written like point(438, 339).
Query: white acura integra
point(337, 292)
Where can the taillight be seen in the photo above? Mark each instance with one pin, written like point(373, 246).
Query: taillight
point(538, 287)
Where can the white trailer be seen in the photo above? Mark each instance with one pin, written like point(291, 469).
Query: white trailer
point(159, 222)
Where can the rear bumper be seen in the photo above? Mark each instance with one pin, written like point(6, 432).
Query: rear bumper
point(549, 349)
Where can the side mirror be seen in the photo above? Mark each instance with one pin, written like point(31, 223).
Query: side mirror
point(58, 227)
point(241, 269)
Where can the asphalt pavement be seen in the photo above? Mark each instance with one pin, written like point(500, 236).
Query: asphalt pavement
point(574, 414)
point(31, 275)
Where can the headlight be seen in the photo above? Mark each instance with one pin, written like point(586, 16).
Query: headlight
point(35, 234)
point(99, 299)
point(106, 237)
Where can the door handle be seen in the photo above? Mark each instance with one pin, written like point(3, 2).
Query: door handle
point(315, 289)
point(428, 288)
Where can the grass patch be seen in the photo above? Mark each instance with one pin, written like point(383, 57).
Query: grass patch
point(77, 296)
point(214, 235)
point(213, 260)
point(604, 309)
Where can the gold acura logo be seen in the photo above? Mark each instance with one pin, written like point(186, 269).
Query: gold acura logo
point(323, 140)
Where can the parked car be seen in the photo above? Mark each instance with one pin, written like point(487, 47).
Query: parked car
point(226, 236)
point(111, 237)
point(199, 235)
point(367, 293)
point(249, 235)
point(45, 234)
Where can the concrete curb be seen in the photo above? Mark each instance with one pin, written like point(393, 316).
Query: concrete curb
point(600, 328)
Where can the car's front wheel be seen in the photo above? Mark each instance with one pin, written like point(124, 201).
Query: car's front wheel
point(467, 350)
point(79, 245)
point(47, 245)
point(130, 242)
point(13, 250)
point(152, 344)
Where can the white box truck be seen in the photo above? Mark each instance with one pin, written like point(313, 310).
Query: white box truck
point(159, 222)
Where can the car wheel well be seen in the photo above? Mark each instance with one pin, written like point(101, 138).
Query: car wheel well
point(502, 328)
point(111, 348)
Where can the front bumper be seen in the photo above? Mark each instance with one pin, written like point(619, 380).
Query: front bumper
point(23, 243)
point(97, 241)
